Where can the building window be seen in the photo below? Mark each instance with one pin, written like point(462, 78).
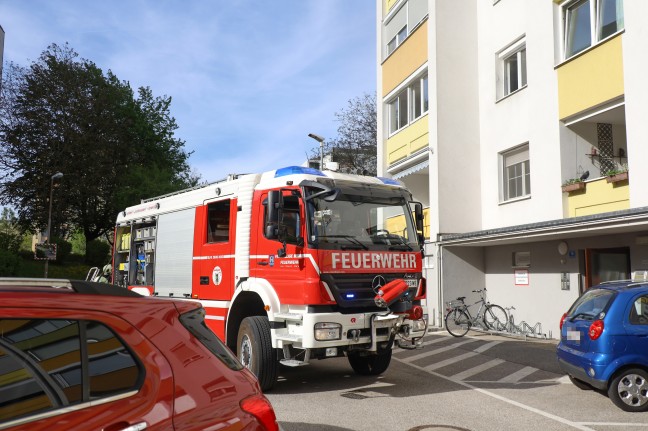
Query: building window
point(590, 21)
point(409, 104)
point(515, 71)
point(396, 40)
point(511, 68)
point(516, 179)
point(418, 98)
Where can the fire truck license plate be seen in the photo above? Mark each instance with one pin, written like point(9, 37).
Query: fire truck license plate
point(411, 282)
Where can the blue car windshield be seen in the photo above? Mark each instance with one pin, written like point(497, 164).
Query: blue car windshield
point(591, 304)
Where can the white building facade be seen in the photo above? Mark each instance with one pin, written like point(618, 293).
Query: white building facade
point(486, 109)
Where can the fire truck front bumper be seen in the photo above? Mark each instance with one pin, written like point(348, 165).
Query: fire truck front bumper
point(360, 331)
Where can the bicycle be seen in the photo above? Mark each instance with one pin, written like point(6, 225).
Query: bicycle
point(458, 320)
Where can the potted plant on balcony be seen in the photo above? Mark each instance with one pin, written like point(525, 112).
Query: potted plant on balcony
point(573, 184)
point(617, 175)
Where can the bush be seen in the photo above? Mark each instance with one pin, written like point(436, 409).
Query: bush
point(63, 249)
point(97, 253)
point(9, 263)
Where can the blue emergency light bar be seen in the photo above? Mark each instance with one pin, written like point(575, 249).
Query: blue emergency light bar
point(350, 295)
point(297, 170)
point(390, 181)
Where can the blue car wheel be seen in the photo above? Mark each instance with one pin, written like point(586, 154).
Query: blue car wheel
point(629, 390)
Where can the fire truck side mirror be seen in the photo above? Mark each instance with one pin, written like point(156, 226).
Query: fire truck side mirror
point(419, 220)
point(275, 205)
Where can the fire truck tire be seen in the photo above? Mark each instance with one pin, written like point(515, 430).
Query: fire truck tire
point(254, 350)
point(371, 365)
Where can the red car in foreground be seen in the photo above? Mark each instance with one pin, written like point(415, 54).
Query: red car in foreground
point(78, 355)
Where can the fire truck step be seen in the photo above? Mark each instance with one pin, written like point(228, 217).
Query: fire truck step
point(292, 363)
point(289, 337)
point(289, 316)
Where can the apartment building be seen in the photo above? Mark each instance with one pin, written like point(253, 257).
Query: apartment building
point(520, 125)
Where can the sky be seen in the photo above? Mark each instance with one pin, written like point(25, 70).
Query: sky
point(249, 79)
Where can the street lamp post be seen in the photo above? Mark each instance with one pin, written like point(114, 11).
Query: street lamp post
point(321, 144)
point(56, 176)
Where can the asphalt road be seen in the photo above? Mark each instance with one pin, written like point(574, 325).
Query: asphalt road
point(479, 382)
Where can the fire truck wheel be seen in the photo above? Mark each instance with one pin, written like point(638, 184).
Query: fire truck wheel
point(255, 351)
point(370, 365)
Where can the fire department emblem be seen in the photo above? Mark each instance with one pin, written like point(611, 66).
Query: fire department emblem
point(217, 275)
point(377, 283)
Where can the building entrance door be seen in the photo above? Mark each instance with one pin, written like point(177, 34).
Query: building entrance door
point(606, 264)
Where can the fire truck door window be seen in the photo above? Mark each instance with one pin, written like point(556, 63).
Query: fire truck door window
point(290, 221)
point(218, 223)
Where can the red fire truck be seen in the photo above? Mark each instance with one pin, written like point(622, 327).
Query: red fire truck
point(290, 265)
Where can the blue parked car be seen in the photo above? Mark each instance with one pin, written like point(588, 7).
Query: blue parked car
point(604, 342)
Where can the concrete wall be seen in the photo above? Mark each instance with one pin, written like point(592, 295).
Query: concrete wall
point(543, 300)
point(529, 115)
point(636, 95)
point(463, 271)
point(459, 172)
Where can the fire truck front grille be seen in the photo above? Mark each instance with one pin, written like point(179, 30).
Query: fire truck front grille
point(355, 290)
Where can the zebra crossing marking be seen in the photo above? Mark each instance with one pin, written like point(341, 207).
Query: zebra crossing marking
point(437, 351)
point(478, 369)
point(518, 375)
point(482, 349)
point(450, 361)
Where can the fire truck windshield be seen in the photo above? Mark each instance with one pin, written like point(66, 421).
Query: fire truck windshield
point(361, 217)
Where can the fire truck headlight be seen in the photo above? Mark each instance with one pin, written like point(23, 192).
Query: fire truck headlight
point(419, 325)
point(328, 331)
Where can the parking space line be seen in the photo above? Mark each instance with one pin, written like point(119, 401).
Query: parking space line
point(518, 375)
point(450, 361)
point(478, 369)
point(439, 350)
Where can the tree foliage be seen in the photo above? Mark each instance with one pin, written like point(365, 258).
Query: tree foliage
point(354, 147)
point(64, 114)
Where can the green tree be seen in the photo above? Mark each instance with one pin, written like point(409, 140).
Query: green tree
point(354, 147)
point(64, 114)
point(10, 234)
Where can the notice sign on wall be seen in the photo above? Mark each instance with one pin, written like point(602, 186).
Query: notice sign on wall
point(521, 277)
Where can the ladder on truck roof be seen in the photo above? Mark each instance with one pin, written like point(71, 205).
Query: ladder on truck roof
point(230, 177)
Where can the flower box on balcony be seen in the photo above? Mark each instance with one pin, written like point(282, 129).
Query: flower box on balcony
point(573, 187)
point(622, 176)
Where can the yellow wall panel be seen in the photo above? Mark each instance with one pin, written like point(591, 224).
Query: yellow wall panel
point(397, 224)
point(599, 197)
point(408, 57)
point(591, 79)
point(388, 5)
point(409, 140)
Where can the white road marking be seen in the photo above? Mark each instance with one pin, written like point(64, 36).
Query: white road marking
point(576, 425)
point(478, 369)
point(518, 375)
point(425, 344)
point(450, 361)
point(437, 351)
point(482, 349)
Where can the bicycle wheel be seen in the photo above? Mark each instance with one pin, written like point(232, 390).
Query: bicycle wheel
point(457, 322)
point(495, 317)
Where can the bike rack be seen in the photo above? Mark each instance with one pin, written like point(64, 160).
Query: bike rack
point(523, 329)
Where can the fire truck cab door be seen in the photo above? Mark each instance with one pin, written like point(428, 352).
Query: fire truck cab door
point(214, 261)
point(286, 274)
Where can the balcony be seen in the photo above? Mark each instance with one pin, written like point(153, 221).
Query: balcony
point(597, 196)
